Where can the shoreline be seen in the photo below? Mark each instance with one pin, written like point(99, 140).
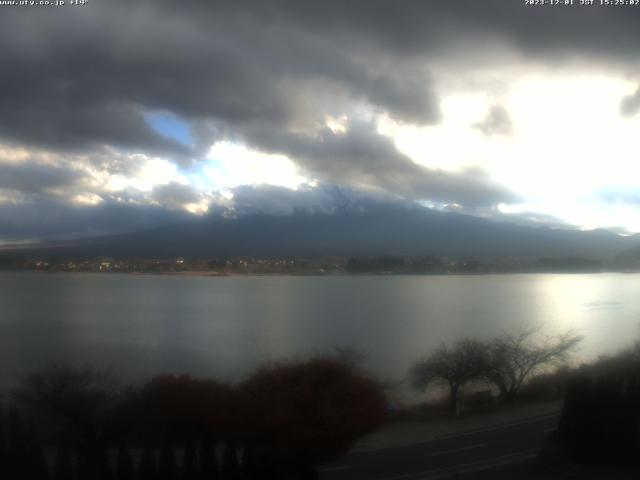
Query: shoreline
point(205, 273)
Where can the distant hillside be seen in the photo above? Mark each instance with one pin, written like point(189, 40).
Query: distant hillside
point(629, 259)
point(395, 230)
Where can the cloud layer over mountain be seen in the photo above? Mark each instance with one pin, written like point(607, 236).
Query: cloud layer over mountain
point(308, 81)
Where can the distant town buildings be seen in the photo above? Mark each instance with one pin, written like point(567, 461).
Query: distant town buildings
point(360, 264)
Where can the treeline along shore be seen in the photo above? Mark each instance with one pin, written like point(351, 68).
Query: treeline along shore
point(355, 264)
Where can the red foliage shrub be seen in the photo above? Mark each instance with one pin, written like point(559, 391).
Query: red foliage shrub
point(313, 410)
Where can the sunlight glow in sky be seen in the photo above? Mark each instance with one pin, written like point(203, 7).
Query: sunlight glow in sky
point(152, 172)
point(569, 146)
point(230, 165)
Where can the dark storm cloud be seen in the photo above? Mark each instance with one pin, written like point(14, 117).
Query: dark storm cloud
point(416, 27)
point(407, 95)
point(497, 122)
point(45, 217)
point(84, 78)
point(79, 77)
point(61, 125)
point(30, 178)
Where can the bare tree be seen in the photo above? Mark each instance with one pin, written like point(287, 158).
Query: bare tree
point(350, 356)
point(512, 358)
point(453, 366)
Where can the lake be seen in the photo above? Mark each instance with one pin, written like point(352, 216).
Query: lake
point(140, 325)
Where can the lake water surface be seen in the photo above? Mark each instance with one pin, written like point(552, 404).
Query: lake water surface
point(140, 325)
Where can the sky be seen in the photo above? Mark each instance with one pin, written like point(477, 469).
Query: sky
point(118, 116)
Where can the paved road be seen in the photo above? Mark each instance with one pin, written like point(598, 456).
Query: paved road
point(448, 455)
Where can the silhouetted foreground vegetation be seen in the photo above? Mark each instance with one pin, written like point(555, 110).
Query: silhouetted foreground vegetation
point(68, 423)
point(600, 418)
point(600, 423)
point(505, 362)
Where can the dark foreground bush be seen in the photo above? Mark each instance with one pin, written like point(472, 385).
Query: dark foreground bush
point(307, 413)
point(600, 422)
point(546, 386)
point(279, 424)
point(182, 408)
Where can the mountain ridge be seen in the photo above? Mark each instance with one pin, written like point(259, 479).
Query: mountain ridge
point(396, 230)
